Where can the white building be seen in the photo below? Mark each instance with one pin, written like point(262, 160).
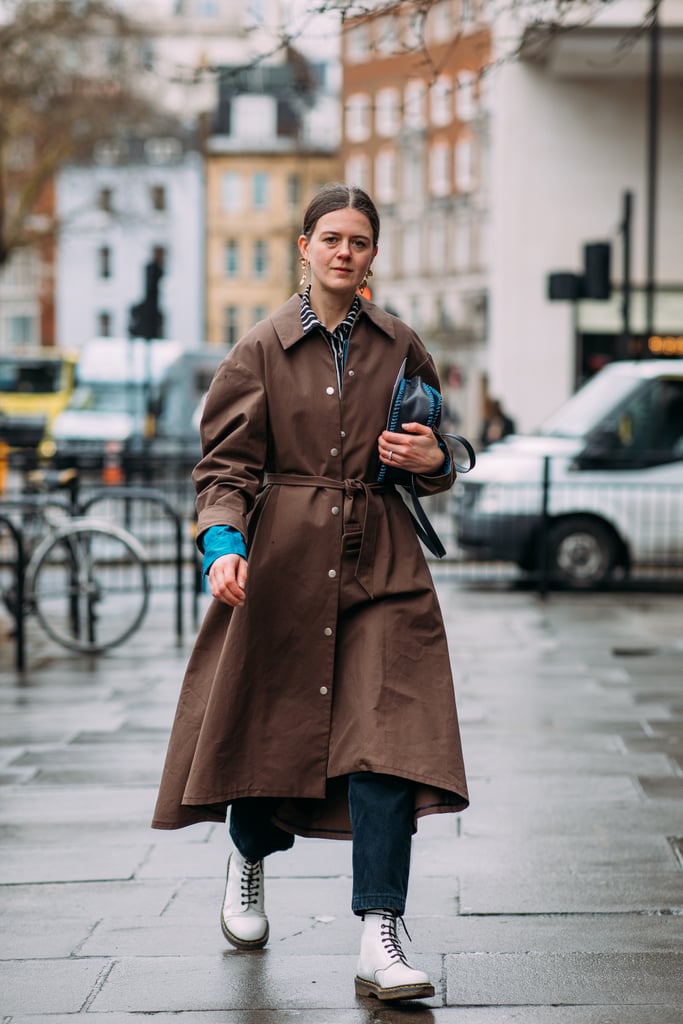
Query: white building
point(137, 199)
point(569, 138)
point(21, 287)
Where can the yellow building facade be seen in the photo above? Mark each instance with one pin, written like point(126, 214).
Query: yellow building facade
point(254, 210)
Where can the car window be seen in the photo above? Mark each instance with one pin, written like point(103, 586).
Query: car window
point(649, 428)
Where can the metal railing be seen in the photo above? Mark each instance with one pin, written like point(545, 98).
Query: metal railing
point(575, 530)
point(17, 567)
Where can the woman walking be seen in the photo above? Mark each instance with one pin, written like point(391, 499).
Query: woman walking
point(318, 700)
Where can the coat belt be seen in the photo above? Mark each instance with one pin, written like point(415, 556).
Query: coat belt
point(373, 508)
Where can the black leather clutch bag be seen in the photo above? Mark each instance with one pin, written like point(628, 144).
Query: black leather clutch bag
point(415, 401)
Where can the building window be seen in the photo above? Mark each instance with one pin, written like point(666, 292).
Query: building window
point(358, 171)
point(464, 164)
point(412, 177)
point(104, 324)
point(230, 325)
point(441, 21)
point(110, 151)
point(105, 200)
point(260, 263)
point(439, 169)
point(385, 176)
point(463, 244)
point(158, 197)
point(442, 100)
point(411, 250)
point(468, 13)
point(415, 307)
point(388, 113)
point(147, 55)
point(437, 246)
point(414, 103)
point(163, 150)
point(207, 9)
point(20, 330)
point(293, 191)
point(358, 43)
point(358, 117)
point(465, 96)
point(386, 34)
point(259, 313)
point(414, 31)
point(104, 269)
point(232, 258)
point(259, 190)
point(231, 191)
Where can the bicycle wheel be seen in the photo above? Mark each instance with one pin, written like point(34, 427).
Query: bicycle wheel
point(88, 585)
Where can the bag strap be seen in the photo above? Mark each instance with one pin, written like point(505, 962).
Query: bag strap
point(468, 448)
point(423, 527)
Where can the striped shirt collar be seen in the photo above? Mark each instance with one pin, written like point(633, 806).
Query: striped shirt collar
point(309, 320)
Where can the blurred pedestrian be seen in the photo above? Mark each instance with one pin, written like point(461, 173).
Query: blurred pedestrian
point(497, 424)
point(318, 700)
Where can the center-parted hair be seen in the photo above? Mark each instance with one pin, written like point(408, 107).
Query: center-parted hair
point(337, 196)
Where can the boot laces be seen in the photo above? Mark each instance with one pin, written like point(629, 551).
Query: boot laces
point(390, 940)
point(250, 882)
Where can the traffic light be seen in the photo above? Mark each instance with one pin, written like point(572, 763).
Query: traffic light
point(144, 318)
point(596, 262)
point(136, 321)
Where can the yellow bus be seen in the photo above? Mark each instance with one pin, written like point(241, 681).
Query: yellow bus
point(35, 386)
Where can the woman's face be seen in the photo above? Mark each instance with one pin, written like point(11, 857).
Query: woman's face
point(339, 251)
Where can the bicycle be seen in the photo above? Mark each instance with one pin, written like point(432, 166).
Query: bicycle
point(77, 576)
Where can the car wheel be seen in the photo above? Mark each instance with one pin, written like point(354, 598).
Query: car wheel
point(581, 552)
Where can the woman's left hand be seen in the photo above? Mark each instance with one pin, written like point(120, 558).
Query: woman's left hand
point(416, 451)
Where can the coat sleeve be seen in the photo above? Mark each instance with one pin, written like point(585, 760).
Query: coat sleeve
point(234, 436)
point(434, 484)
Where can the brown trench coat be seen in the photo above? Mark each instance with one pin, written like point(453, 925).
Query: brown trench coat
point(337, 662)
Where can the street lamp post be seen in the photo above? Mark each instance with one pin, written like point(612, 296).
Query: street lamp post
point(652, 154)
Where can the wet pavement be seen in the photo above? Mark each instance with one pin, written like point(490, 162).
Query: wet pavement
point(557, 898)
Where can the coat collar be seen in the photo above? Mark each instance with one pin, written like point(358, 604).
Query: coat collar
point(287, 320)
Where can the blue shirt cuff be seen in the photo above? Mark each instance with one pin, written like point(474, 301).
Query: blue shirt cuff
point(446, 468)
point(221, 540)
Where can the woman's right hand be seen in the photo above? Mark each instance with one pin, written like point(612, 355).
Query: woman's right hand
point(228, 580)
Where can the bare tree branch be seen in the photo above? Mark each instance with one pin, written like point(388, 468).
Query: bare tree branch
point(67, 77)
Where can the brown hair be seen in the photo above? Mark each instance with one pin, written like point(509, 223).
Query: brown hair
point(336, 196)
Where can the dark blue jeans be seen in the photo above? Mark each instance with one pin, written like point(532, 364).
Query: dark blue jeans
point(381, 809)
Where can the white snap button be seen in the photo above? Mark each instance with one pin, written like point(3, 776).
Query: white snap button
point(330, 391)
point(323, 690)
point(342, 433)
point(332, 573)
point(334, 451)
point(327, 631)
point(335, 510)
point(351, 373)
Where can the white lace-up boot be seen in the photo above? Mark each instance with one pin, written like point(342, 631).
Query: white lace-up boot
point(383, 970)
point(243, 918)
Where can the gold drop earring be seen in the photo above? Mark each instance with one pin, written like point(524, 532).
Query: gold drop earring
point(364, 282)
point(304, 271)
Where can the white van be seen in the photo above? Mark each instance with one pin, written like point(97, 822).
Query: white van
point(118, 383)
point(597, 490)
point(135, 399)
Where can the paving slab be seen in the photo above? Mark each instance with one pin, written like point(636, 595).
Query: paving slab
point(48, 986)
point(546, 978)
point(233, 980)
point(21, 939)
point(89, 900)
point(571, 892)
